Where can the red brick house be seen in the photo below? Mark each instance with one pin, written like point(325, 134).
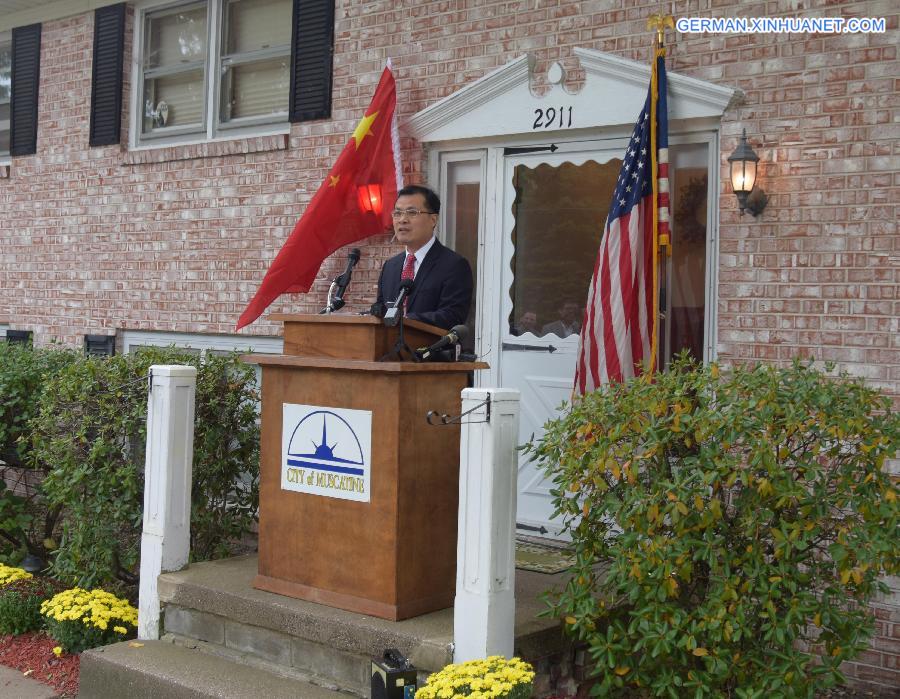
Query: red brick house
point(154, 156)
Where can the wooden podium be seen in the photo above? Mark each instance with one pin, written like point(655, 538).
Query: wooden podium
point(394, 556)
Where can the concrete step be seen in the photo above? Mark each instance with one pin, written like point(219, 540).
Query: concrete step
point(215, 605)
point(157, 669)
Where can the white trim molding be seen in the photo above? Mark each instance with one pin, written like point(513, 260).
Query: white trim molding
point(502, 102)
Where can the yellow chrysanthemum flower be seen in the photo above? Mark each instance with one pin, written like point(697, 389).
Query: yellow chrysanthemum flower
point(489, 678)
point(9, 574)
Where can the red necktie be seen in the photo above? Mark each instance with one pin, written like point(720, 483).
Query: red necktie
point(409, 267)
point(408, 272)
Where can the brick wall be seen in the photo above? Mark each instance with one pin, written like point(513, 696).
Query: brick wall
point(95, 240)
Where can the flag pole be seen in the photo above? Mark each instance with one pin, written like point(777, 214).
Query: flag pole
point(657, 23)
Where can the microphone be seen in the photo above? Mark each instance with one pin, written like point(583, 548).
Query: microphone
point(392, 315)
point(343, 281)
point(378, 309)
point(456, 335)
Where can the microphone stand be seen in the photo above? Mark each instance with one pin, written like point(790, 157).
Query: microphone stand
point(400, 345)
point(333, 305)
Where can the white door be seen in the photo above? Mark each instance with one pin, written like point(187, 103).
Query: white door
point(554, 210)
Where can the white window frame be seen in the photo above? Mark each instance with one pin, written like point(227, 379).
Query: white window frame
point(135, 339)
point(445, 160)
point(6, 158)
point(709, 138)
point(213, 128)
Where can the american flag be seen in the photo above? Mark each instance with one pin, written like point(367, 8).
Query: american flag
point(619, 326)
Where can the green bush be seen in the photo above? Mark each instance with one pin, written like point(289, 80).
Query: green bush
point(23, 373)
point(20, 604)
point(742, 521)
point(225, 489)
point(90, 434)
point(27, 525)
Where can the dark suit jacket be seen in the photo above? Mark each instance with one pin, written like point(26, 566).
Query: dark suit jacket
point(443, 289)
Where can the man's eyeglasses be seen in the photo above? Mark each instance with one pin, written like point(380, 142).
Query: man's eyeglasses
point(411, 213)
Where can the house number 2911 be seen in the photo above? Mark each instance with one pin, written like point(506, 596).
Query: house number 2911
point(551, 116)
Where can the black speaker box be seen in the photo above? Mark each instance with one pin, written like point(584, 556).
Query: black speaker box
point(393, 677)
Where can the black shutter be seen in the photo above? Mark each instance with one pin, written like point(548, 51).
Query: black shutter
point(312, 51)
point(106, 84)
point(26, 75)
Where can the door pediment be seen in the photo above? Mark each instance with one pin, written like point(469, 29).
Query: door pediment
point(502, 103)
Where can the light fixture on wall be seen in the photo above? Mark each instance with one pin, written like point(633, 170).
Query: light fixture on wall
point(370, 198)
point(743, 164)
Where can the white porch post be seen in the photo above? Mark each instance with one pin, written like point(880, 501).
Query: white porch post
point(165, 542)
point(484, 611)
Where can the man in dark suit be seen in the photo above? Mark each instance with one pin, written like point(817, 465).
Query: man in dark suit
point(443, 279)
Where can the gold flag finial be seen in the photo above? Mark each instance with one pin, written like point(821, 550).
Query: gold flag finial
point(659, 23)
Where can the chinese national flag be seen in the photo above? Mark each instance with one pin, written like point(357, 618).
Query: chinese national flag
point(335, 216)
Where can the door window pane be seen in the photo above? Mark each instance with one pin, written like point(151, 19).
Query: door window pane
point(689, 185)
point(559, 214)
point(462, 204)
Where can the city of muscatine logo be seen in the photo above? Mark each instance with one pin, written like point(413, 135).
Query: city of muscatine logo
point(304, 452)
point(326, 451)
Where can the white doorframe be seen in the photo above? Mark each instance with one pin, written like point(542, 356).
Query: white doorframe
point(492, 302)
point(489, 282)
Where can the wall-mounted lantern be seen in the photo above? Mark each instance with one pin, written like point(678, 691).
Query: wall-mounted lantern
point(743, 164)
point(370, 200)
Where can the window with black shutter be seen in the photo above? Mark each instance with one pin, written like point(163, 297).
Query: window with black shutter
point(265, 63)
point(26, 75)
point(106, 84)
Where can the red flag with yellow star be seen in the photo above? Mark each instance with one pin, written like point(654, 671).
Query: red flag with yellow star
point(348, 206)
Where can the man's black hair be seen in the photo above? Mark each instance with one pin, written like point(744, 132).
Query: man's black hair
point(432, 200)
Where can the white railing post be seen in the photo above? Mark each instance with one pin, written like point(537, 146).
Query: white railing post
point(165, 541)
point(485, 609)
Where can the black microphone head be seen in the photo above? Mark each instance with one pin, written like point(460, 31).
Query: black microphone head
point(354, 255)
point(378, 309)
point(461, 332)
point(407, 284)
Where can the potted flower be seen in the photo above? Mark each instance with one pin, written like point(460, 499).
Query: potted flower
point(494, 677)
point(80, 619)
